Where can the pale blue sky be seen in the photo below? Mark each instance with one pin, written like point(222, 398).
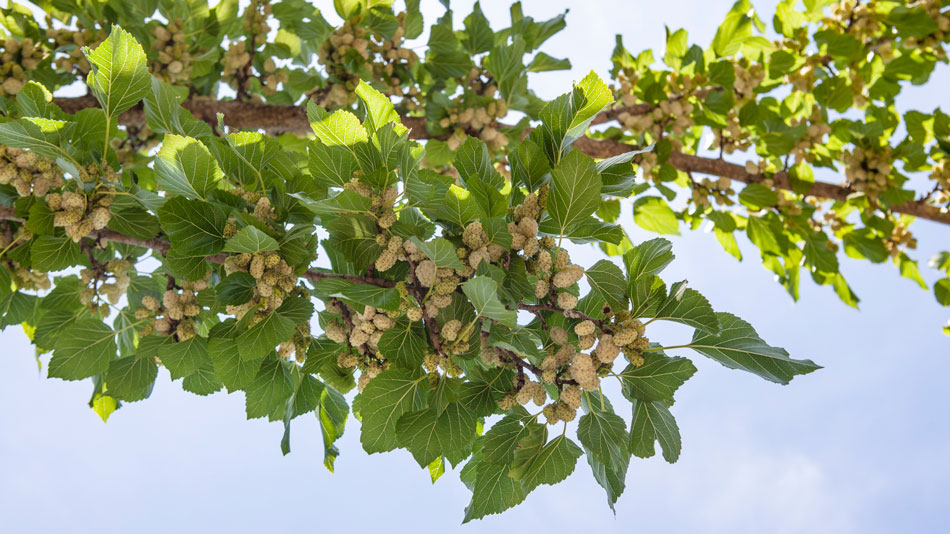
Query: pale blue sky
point(859, 446)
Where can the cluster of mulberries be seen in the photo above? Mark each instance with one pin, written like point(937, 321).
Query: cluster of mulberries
point(456, 336)
point(298, 344)
point(748, 79)
point(387, 60)
point(28, 173)
point(80, 214)
point(275, 281)
point(868, 169)
point(113, 291)
point(392, 252)
point(433, 362)
point(23, 278)
point(238, 56)
point(814, 136)
point(941, 175)
point(556, 274)
point(69, 44)
point(362, 330)
point(477, 249)
point(478, 120)
point(176, 314)
point(933, 42)
point(16, 58)
point(260, 205)
point(705, 189)
point(174, 59)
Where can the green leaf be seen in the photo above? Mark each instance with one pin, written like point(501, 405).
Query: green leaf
point(344, 202)
point(575, 190)
point(360, 295)
point(604, 436)
point(437, 469)
point(252, 240)
point(184, 166)
point(34, 100)
point(428, 435)
point(235, 372)
point(657, 379)
point(405, 344)
point(269, 391)
point(818, 255)
point(738, 346)
point(597, 96)
point(757, 196)
point(655, 215)
point(942, 291)
point(198, 226)
point(478, 36)
point(483, 292)
point(440, 251)
point(332, 415)
point(379, 110)
point(186, 263)
point(273, 329)
point(652, 422)
point(236, 288)
point(494, 492)
point(647, 259)
point(39, 135)
point(134, 222)
point(687, 306)
point(386, 398)
point(613, 480)
point(554, 463)
point(164, 113)
point(185, 357)
point(118, 77)
point(130, 378)
point(51, 253)
point(84, 349)
point(606, 279)
point(340, 128)
point(502, 439)
point(202, 382)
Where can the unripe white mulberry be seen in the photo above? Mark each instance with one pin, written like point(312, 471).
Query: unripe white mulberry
point(541, 289)
point(584, 328)
point(625, 336)
point(544, 261)
point(336, 332)
point(586, 342)
point(528, 227)
point(150, 303)
point(583, 371)
point(565, 412)
point(571, 396)
point(606, 350)
point(257, 267)
point(558, 335)
point(425, 273)
point(566, 300)
point(385, 261)
point(450, 330)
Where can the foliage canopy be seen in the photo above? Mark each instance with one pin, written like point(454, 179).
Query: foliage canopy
point(184, 200)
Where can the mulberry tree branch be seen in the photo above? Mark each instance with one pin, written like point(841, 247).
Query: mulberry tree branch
point(278, 119)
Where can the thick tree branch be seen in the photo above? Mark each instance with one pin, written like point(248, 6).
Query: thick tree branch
point(283, 119)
